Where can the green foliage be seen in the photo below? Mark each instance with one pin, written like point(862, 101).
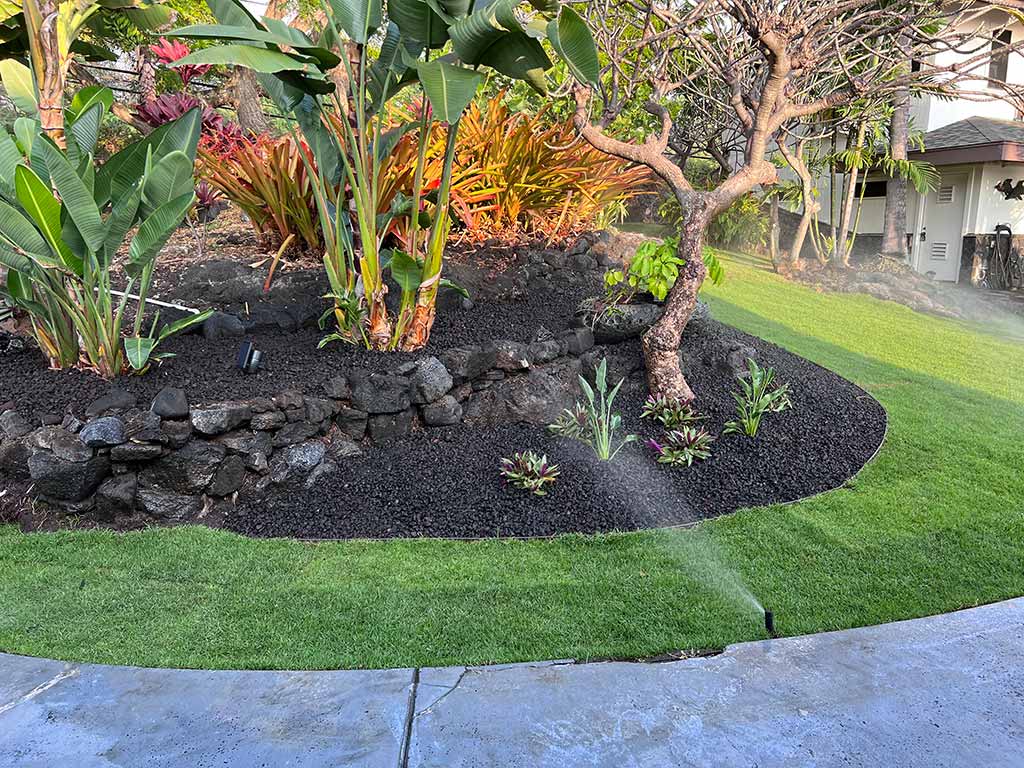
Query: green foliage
point(62, 220)
point(758, 395)
point(527, 470)
point(669, 412)
point(654, 270)
point(681, 447)
point(592, 421)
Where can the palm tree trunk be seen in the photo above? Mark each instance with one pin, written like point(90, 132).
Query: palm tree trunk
point(894, 229)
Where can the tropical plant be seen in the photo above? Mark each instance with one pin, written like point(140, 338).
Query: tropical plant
point(654, 269)
point(681, 447)
point(169, 51)
point(58, 246)
point(527, 470)
point(267, 178)
point(670, 412)
point(48, 33)
point(592, 421)
point(758, 395)
point(501, 36)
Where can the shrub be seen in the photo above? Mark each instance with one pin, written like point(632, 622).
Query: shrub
point(758, 395)
point(268, 180)
point(58, 248)
point(527, 470)
point(670, 412)
point(592, 421)
point(681, 447)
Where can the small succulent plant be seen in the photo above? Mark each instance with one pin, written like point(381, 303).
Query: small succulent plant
point(681, 447)
point(670, 412)
point(527, 470)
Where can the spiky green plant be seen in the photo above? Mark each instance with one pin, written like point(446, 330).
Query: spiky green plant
point(527, 470)
point(758, 395)
point(592, 421)
point(681, 447)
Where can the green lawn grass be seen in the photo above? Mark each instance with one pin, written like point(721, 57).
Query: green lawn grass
point(934, 524)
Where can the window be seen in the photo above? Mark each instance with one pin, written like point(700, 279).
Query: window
point(871, 188)
point(999, 63)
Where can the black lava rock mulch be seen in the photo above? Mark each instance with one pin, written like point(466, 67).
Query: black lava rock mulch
point(446, 483)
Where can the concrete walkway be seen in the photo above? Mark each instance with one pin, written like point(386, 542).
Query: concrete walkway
point(941, 691)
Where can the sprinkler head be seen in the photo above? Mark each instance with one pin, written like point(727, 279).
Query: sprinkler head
point(769, 622)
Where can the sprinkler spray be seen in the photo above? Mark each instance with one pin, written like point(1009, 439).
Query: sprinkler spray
point(769, 622)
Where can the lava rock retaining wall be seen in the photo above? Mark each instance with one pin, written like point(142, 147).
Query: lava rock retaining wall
point(174, 460)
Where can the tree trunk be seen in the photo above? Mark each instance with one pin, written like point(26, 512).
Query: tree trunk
point(894, 228)
point(48, 69)
point(661, 342)
point(245, 96)
point(849, 195)
point(773, 234)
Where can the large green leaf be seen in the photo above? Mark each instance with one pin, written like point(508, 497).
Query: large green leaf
point(137, 350)
point(15, 261)
point(19, 84)
point(86, 98)
point(183, 323)
point(258, 59)
point(77, 198)
point(168, 178)
point(405, 271)
point(232, 13)
point(21, 233)
point(417, 21)
point(519, 56)
point(277, 33)
point(571, 38)
point(38, 202)
point(10, 158)
point(448, 87)
point(85, 129)
point(154, 232)
point(359, 18)
point(122, 217)
point(122, 171)
point(390, 72)
point(473, 35)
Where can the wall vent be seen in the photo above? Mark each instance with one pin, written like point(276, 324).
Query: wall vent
point(939, 252)
point(945, 195)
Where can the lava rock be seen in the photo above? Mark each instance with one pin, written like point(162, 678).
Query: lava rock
point(303, 457)
point(341, 448)
point(115, 400)
point(218, 419)
point(544, 351)
point(338, 388)
point(188, 470)
point(577, 340)
point(63, 480)
point(621, 363)
point(14, 456)
point(429, 380)
point(445, 412)
point(171, 403)
point(319, 410)
point(103, 432)
point(144, 427)
point(325, 468)
point(381, 393)
point(13, 424)
point(511, 356)
point(468, 362)
point(626, 322)
point(293, 433)
point(175, 433)
point(352, 422)
point(268, 420)
point(116, 496)
point(537, 398)
point(229, 477)
point(130, 452)
point(167, 505)
point(292, 400)
point(221, 325)
point(387, 427)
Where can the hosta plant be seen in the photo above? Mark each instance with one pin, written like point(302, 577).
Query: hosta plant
point(669, 412)
point(681, 447)
point(758, 395)
point(62, 219)
point(592, 420)
point(527, 470)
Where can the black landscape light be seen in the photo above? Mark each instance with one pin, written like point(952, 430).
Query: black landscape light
point(249, 358)
point(769, 622)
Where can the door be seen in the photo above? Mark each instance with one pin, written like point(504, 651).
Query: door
point(943, 220)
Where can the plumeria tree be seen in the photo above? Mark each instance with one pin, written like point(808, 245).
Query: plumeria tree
point(764, 69)
point(337, 81)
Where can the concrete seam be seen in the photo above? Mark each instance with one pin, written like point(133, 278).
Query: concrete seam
point(410, 716)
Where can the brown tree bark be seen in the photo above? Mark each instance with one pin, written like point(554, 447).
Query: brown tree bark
point(849, 195)
point(810, 205)
point(48, 69)
point(894, 227)
point(245, 97)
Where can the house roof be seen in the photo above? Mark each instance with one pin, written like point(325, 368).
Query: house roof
point(974, 140)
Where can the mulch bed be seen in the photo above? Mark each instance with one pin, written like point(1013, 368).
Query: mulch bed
point(445, 482)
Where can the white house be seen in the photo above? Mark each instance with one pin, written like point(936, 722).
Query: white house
point(974, 145)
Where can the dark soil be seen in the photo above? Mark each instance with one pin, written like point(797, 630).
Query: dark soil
point(447, 484)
